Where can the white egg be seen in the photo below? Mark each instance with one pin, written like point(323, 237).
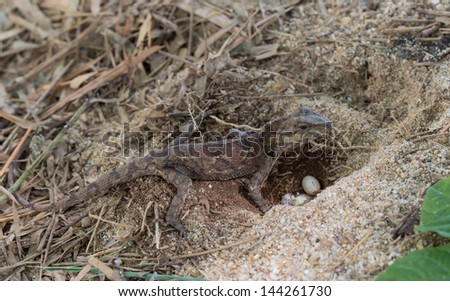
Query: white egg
point(301, 199)
point(311, 185)
point(287, 199)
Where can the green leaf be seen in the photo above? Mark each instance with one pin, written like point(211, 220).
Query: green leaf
point(427, 264)
point(435, 212)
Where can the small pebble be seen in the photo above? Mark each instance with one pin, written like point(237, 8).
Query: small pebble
point(118, 261)
point(315, 257)
point(311, 185)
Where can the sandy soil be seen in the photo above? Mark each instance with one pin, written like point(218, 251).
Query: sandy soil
point(388, 97)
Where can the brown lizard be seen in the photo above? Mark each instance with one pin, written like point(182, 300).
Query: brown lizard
point(251, 155)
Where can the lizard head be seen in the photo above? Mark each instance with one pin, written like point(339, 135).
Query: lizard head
point(297, 128)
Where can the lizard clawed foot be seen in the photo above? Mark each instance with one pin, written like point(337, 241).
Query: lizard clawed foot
point(264, 208)
point(174, 222)
point(259, 200)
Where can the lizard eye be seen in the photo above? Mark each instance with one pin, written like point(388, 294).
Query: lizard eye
point(303, 127)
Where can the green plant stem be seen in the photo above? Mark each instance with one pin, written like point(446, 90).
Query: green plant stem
point(128, 274)
point(47, 152)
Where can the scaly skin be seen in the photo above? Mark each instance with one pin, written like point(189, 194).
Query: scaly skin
point(252, 155)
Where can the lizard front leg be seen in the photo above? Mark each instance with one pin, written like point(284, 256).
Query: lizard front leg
point(182, 184)
point(255, 183)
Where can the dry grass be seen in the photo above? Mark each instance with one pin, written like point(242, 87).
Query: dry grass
point(152, 65)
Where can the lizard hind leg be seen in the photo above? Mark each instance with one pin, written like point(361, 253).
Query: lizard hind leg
point(182, 183)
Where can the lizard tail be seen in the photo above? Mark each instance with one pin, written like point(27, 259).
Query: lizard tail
point(137, 168)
